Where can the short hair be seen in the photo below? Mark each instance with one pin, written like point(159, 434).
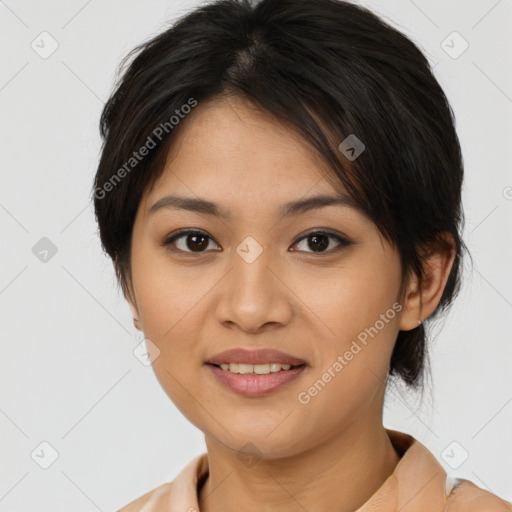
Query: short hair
point(327, 69)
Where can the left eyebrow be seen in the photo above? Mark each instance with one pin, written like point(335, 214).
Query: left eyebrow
point(292, 208)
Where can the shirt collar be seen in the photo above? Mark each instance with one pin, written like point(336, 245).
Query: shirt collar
point(417, 484)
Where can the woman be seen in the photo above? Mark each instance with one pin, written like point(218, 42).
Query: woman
point(280, 192)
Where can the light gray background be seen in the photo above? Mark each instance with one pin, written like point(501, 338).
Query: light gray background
point(68, 376)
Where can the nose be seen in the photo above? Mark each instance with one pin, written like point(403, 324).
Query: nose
point(253, 296)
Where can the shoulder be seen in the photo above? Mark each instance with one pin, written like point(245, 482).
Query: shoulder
point(171, 495)
point(152, 501)
point(467, 497)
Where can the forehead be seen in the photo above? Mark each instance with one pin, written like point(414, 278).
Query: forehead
point(231, 148)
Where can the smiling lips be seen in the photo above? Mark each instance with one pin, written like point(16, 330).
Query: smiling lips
point(255, 372)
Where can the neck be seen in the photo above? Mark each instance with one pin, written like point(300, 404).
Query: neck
point(339, 475)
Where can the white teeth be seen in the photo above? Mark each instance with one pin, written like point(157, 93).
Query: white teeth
point(259, 369)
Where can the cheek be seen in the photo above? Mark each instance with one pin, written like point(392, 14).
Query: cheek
point(346, 300)
point(173, 305)
point(171, 312)
point(353, 358)
point(357, 318)
point(164, 294)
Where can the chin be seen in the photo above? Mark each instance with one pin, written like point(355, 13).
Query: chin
point(262, 442)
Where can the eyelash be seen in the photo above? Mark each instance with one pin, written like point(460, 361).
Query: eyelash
point(344, 242)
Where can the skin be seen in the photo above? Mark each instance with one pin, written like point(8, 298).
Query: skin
point(332, 453)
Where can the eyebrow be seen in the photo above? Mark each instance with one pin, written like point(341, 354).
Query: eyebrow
point(289, 209)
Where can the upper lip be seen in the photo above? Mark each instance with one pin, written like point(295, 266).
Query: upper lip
point(255, 356)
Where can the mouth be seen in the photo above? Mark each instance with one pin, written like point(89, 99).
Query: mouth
point(256, 372)
point(247, 382)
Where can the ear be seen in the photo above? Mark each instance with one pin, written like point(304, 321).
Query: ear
point(129, 295)
point(420, 302)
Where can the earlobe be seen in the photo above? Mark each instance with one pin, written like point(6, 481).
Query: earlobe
point(129, 296)
point(411, 306)
point(136, 323)
point(135, 313)
point(421, 300)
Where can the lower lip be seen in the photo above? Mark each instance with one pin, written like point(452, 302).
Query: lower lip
point(255, 385)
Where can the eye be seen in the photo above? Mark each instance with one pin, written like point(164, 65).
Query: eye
point(319, 240)
point(194, 241)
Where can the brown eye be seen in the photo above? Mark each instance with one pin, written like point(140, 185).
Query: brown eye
point(318, 241)
point(189, 241)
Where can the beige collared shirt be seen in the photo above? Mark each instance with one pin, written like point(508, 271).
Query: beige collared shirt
point(418, 484)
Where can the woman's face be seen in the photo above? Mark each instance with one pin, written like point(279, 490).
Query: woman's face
point(259, 280)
